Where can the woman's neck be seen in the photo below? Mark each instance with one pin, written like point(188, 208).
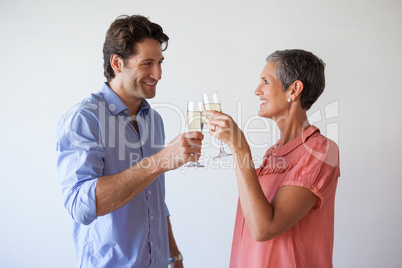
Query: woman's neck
point(292, 127)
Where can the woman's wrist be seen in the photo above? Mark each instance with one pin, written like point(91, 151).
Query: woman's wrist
point(239, 144)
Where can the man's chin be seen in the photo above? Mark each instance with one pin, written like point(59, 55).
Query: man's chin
point(151, 95)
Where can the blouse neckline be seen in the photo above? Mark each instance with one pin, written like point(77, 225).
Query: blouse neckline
point(293, 144)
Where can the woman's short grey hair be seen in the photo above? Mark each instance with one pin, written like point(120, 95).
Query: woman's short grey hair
point(297, 64)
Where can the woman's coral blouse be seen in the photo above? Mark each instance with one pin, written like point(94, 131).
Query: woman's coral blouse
point(310, 161)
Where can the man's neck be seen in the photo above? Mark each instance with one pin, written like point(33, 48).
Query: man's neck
point(133, 104)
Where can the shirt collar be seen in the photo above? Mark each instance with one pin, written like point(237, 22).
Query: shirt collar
point(144, 106)
point(116, 105)
point(293, 144)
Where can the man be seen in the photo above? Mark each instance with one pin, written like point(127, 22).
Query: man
point(111, 159)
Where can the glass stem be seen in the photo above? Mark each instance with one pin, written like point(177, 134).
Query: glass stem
point(221, 149)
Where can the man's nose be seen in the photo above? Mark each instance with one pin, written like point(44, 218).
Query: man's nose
point(156, 73)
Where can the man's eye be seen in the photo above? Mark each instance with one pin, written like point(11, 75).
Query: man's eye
point(265, 82)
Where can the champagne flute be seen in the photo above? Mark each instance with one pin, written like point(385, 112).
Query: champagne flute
point(213, 102)
point(194, 122)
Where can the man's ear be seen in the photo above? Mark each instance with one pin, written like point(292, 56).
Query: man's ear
point(117, 63)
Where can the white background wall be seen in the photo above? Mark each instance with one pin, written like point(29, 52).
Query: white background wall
point(51, 58)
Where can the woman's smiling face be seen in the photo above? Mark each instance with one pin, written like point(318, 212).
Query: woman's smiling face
point(273, 98)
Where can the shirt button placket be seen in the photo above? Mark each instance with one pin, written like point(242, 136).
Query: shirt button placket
point(151, 224)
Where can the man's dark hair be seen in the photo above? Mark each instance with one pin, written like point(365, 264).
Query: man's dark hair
point(124, 34)
point(297, 64)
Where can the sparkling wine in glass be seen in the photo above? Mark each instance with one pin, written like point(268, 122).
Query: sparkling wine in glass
point(194, 122)
point(212, 102)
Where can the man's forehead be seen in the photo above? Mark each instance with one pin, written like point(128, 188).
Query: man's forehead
point(149, 44)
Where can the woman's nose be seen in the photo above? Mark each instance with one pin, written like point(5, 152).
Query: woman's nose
point(257, 91)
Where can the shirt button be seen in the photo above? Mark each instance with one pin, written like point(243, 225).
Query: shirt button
point(152, 217)
point(112, 107)
point(315, 190)
point(149, 192)
point(152, 243)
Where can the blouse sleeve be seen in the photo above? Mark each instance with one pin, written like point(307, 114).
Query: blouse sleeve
point(317, 169)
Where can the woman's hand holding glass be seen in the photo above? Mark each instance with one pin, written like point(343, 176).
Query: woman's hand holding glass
point(212, 102)
point(224, 128)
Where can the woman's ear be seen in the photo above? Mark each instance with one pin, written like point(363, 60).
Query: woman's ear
point(296, 89)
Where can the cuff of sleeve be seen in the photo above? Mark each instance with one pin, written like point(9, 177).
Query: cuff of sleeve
point(312, 188)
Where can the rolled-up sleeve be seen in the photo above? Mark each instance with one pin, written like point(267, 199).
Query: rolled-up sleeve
point(80, 163)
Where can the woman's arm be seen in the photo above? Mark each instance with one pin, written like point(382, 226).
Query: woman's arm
point(265, 220)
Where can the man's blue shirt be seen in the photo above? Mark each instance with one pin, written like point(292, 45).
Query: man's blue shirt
point(97, 138)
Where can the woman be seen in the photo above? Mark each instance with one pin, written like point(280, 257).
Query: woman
point(285, 216)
